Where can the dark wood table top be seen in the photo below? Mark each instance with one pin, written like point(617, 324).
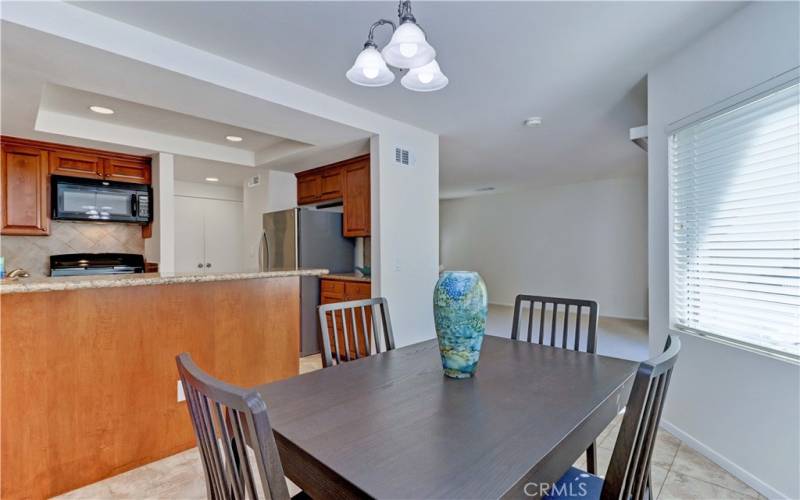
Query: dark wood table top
point(393, 426)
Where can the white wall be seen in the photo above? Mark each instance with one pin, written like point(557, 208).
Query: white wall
point(739, 408)
point(405, 231)
point(161, 246)
point(208, 190)
point(277, 191)
point(585, 240)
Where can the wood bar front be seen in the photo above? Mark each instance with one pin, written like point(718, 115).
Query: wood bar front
point(88, 378)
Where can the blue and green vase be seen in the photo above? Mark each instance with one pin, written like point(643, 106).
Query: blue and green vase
point(459, 310)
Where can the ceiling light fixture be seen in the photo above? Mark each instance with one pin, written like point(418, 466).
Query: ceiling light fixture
point(533, 121)
point(212, 179)
point(408, 49)
point(233, 138)
point(425, 79)
point(101, 110)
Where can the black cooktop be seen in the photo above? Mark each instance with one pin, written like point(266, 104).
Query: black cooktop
point(82, 264)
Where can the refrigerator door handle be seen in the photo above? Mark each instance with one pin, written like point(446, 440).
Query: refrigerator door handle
point(263, 251)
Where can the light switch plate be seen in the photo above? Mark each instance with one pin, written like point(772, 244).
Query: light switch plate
point(181, 395)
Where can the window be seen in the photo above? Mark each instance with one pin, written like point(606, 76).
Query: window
point(735, 223)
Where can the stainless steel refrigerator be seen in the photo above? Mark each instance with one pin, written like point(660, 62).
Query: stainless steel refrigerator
point(306, 238)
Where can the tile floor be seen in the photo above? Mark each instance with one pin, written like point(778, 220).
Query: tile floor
point(678, 472)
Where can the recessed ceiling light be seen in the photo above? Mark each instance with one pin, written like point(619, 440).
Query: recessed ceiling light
point(233, 138)
point(533, 121)
point(212, 179)
point(102, 110)
point(484, 189)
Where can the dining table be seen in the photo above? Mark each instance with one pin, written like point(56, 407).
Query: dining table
point(392, 426)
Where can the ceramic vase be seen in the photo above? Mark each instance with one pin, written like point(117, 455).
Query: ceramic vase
point(459, 310)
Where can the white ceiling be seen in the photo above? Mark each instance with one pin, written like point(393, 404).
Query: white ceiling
point(48, 83)
point(579, 65)
point(59, 99)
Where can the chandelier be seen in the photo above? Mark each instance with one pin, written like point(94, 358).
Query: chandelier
point(408, 50)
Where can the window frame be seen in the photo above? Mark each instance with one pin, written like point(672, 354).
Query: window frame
point(780, 82)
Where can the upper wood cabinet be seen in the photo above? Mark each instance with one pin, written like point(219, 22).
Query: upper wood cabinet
point(309, 188)
point(348, 180)
point(76, 164)
point(136, 171)
point(331, 184)
point(24, 191)
point(356, 199)
point(27, 165)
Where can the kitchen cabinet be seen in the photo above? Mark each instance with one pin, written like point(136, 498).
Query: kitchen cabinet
point(334, 290)
point(69, 163)
point(347, 180)
point(135, 171)
point(27, 166)
point(356, 199)
point(24, 191)
point(331, 184)
point(309, 188)
point(208, 235)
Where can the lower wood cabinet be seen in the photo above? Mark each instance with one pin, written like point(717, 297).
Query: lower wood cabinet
point(334, 290)
point(24, 191)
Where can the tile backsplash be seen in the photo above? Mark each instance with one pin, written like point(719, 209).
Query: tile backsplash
point(32, 253)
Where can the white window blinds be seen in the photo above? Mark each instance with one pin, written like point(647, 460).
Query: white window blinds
point(735, 208)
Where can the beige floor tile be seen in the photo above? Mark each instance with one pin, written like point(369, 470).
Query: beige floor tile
point(310, 363)
point(681, 487)
point(692, 464)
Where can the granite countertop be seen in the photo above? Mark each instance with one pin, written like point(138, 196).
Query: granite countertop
point(350, 277)
point(47, 284)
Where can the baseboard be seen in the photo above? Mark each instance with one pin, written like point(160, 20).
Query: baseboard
point(737, 471)
point(602, 315)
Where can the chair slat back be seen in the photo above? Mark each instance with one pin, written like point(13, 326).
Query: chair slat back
point(355, 329)
point(228, 421)
point(628, 475)
point(556, 321)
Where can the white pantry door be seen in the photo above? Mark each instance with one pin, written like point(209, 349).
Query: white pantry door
point(189, 237)
point(208, 235)
point(223, 235)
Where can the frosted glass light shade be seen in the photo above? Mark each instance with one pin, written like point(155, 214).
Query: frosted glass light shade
point(370, 69)
point(425, 79)
point(408, 47)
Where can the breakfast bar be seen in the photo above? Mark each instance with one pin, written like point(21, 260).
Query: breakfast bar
point(89, 382)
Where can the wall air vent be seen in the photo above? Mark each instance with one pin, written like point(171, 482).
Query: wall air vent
point(254, 181)
point(403, 157)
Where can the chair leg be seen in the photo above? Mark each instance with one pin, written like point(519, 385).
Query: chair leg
point(591, 459)
point(649, 488)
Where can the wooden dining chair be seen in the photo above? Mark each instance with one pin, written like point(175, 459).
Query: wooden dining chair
point(228, 421)
point(566, 335)
point(355, 329)
point(628, 475)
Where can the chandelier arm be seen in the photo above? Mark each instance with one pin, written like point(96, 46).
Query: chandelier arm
point(380, 22)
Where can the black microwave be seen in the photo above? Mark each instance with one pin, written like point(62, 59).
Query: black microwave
point(75, 198)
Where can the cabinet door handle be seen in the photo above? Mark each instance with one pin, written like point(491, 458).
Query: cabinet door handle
point(199, 264)
point(208, 264)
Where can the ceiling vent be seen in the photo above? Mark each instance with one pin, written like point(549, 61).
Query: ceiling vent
point(403, 157)
point(254, 181)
